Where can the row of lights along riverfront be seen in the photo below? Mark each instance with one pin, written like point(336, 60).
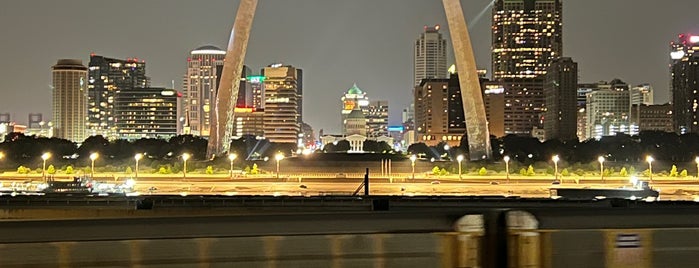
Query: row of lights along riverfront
point(413, 158)
point(138, 157)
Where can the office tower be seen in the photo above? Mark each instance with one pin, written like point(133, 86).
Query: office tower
point(561, 92)
point(146, 113)
point(376, 114)
point(353, 98)
point(245, 94)
point(494, 99)
point(430, 57)
point(527, 35)
point(70, 100)
point(652, 117)
point(684, 70)
point(204, 65)
point(107, 76)
point(436, 118)
point(257, 89)
point(248, 121)
point(608, 110)
point(281, 117)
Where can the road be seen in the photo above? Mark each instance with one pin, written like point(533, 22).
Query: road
point(671, 189)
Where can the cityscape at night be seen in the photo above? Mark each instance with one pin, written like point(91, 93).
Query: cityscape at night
point(391, 133)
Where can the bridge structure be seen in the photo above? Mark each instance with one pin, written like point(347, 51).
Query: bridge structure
point(472, 99)
point(367, 231)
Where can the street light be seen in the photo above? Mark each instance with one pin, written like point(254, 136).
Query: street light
point(650, 159)
point(601, 167)
point(137, 157)
point(697, 161)
point(278, 157)
point(459, 159)
point(507, 167)
point(232, 157)
point(555, 159)
point(44, 157)
point(412, 164)
point(93, 157)
point(185, 156)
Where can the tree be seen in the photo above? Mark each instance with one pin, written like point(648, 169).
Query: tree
point(530, 171)
point(683, 174)
point(23, 170)
point(565, 172)
point(69, 170)
point(51, 170)
point(632, 170)
point(673, 171)
point(128, 170)
point(482, 171)
point(443, 172)
point(209, 170)
point(523, 172)
point(435, 170)
point(247, 169)
point(607, 172)
point(254, 170)
point(623, 172)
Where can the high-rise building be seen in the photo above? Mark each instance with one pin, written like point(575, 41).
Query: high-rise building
point(146, 113)
point(281, 117)
point(527, 36)
point(436, 119)
point(107, 76)
point(257, 89)
point(353, 98)
point(248, 121)
point(204, 65)
point(376, 118)
point(430, 58)
point(561, 92)
point(684, 69)
point(608, 110)
point(70, 100)
point(652, 117)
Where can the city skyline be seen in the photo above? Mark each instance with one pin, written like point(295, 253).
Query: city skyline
point(376, 52)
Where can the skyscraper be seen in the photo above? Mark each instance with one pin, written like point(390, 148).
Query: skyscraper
point(200, 84)
point(70, 100)
point(107, 76)
point(560, 91)
point(281, 117)
point(684, 70)
point(527, 36)
point(430, 59)
point(354, 97)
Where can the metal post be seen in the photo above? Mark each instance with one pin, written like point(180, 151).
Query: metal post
point(366, 182)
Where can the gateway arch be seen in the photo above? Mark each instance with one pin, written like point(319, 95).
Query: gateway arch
point(474, 109)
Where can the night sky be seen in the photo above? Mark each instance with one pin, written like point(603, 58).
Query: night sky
point(337, 43)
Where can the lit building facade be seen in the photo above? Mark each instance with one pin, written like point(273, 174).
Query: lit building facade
point(684, 71)
point(608, 110)
point(353, 98)
point(248, 121)
point(281, 116)
point(146, 113)
point(200, 84)
point(432, 112)
point(527, 35)
point(561, 92)
point(70, 100)
point(430, 57)
point(376, 114)
point(652, 117)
